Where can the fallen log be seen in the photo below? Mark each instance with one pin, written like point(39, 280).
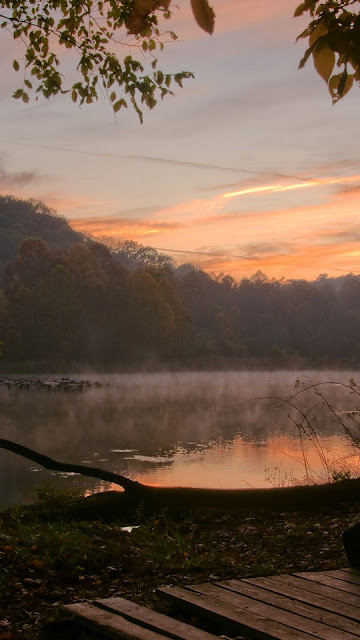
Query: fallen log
point(113, 504)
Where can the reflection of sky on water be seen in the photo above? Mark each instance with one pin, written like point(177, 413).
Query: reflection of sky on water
point(190, 429)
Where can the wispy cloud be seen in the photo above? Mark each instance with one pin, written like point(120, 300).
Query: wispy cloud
point(122, 228)
point(14, 180)
point(154, 159)
point(278, 188)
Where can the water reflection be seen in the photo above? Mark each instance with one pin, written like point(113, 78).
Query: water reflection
point(193, 429)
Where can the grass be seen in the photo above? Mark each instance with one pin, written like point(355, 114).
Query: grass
point(47, 559)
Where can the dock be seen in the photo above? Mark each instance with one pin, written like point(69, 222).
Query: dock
point(300, 606)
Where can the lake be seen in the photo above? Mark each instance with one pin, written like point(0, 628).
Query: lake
point(200, 429)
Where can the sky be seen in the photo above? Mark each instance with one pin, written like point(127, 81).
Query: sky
point(248, 167)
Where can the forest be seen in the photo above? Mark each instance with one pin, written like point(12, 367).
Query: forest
point(66, 298)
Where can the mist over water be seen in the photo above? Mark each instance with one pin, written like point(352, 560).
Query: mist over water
point(204, 429)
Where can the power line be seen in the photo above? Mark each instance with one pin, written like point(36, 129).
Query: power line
point(225, 255)
point(202, 253)
point(169, 161)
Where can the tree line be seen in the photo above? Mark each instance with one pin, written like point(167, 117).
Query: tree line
point(88, 303)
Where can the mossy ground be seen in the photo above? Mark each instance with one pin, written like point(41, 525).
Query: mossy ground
point(46, 562)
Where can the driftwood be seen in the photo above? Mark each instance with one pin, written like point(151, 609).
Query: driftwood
point(113, 504)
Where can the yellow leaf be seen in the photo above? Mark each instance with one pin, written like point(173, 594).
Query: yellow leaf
point(324, 61)
point(320, 30)
point(139, 12)
point(334, 86)
point(204, 15)
point(300, 9)
point(38, 564)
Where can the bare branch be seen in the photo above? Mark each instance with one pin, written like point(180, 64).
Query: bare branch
point(54, 465)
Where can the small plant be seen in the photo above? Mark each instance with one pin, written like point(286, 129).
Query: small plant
point(306, 416)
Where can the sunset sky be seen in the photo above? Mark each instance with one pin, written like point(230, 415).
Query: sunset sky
point(249, 167)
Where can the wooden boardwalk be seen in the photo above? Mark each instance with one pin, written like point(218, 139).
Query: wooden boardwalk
point(301, 606)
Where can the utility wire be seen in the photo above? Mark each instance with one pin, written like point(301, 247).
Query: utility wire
point(169, 161)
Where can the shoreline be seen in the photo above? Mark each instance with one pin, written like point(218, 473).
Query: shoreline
point(296, 363)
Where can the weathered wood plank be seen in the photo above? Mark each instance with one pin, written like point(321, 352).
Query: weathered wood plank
point(289, 604)
point(232, 618)
point(305, 596)
point(109, 625)
point(320, 589)
point(328, 581)
point(282, 616)
point(343, 574)
point(153, 619)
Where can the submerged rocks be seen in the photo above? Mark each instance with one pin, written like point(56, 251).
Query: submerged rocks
point(55, 384)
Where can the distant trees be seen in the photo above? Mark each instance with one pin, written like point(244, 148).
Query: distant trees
point(83, 302)
point(82, 305)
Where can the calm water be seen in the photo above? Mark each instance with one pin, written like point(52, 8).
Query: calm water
point(190, 429)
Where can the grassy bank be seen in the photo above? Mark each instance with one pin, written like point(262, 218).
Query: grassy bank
point(46, 561)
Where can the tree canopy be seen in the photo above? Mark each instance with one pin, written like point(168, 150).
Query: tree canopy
point(334, 42)
point(99, 32)
point(96, 31)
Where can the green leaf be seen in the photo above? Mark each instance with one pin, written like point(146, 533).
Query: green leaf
point(74, 95)
point(16, 65)
point(18, 93)
point(117, 105)
point(159, 77)
point(178, 79)
point(112, 96)
point(204, 15)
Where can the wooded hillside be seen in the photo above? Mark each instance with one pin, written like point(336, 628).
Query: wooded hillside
point(71, 299)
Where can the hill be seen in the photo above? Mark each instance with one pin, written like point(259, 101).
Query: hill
point(21, 219)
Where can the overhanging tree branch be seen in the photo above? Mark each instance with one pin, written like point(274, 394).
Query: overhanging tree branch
point(54, 465)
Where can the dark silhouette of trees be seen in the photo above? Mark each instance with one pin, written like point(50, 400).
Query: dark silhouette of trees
point(76, 300)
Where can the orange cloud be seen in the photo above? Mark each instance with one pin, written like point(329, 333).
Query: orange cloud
point(306, 262)
point(278, 188)
point(298, 241)
point(121, 228)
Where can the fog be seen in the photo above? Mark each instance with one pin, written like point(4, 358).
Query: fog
point(188, 428)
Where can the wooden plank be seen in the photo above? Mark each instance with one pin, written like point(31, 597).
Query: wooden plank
point(320, 589)
point(343, 574)
point(232, 618)
point(109, 625)
point(302, 595)
point(322, 578)
point(258, 607)
point(154, 620)
point(289, 604)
